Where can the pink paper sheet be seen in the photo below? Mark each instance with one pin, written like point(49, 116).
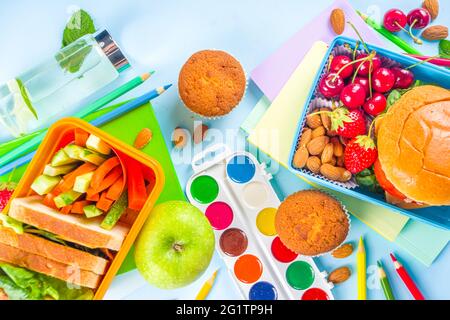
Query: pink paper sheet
point(271, 75)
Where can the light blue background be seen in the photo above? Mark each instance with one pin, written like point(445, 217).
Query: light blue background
point(161, 35)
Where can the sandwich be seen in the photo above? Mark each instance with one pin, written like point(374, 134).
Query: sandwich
point(413, 165)
point(60, 232)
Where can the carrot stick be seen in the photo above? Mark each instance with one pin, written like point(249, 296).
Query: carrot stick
point(137, 194)
point(103, 170)
point(77, 207)
point(69, 179)
point(92, 196)
point(67, 138)
point(104, 203)
point(149, 174)
point(49, 200)
point(81, 137)
point(109, 180)
point(66, 209)
point(116, 189)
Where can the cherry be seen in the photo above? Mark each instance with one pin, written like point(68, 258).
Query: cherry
point(340, 62)
point(364, 82)
point(365, 65)
point(419, 18)
point(331, 85)
point(375, 105)
point(395, 20)
point(403, 78)
point(353, 95)
point(383, 80)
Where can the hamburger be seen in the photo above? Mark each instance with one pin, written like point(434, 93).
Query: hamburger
point(413, 138)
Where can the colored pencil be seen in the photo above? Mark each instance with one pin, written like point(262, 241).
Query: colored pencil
point(129, 106)
point(385, 282)
point(361, 270)
point(207, 286)
point(34, 142)
point(407, 280)
point(442, 62)
point(399, 42)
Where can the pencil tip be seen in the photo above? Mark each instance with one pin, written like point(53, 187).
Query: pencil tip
point(379, 264)
point(392, 257)
point(167, 86)
point(147, 75)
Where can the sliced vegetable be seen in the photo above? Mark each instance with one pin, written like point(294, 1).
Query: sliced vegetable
point(92, 211)
point(137, 194)
point(61, 158)
point(109, 180)
point(92, 197)
point(83, 182)
point(104, 203)
point(49, 201)
point(52, 171)
point(67, 138)
point(81, 137)
point(69, 179)
point(44, 184)
point(83, 154)
point(78, 206)
point(96, 144)
point(66, 209)
point(102, 171)
point(66, 198)
point(149, 174)
point(116, 211)
point(116, 189)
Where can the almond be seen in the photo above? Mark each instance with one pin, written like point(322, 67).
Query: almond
point(143, 138)
point(343, 251)
point(326, 120)
point(180, 138)
point(432, 6)
point(313, 121)
point(337, 20)
point(327, 153)
point(317, 132)
point(338, 148)
point(345, 175)
point(316, 145)
point(437, 32)
point(305, 137)
point(200, 133)
point(313, 164)
point(330, 172)
point(300, 157)
point(340, 275)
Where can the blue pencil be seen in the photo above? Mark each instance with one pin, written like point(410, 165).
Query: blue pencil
point(127, 107)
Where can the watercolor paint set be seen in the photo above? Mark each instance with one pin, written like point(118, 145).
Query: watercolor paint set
point(234, 192)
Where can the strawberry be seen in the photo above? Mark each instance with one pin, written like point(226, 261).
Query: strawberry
point(348, 124)
point(6, 191)
point(360, 153)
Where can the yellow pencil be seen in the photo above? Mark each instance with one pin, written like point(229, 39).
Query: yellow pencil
point(361, 270)
point(207, 286)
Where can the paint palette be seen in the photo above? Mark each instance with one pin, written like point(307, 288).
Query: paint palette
point(234, 192)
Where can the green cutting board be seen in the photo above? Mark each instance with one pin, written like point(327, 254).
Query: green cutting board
point(126, 129)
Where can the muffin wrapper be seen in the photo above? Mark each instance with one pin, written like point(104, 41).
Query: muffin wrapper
point(349, 226)
point(319, 101)
point(219, 117)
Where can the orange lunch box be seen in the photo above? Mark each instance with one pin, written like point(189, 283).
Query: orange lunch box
point(44, 155)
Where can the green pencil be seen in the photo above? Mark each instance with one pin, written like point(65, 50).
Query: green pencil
point(399, 42)
point(385, 282)
point(25, 147)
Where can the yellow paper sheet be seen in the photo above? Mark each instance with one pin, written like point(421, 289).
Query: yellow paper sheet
point(275, 133)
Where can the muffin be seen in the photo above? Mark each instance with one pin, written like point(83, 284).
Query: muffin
point(311, 223)
point(211, 83)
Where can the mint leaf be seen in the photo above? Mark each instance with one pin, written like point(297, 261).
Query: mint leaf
point(26, 99)
point(71, 58)
point(79, 25)
point(444, 49)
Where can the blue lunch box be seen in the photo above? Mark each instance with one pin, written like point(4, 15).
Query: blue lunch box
point(438, 216)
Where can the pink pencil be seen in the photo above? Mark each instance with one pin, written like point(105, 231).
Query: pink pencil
point(437, 61)
point(407, 279)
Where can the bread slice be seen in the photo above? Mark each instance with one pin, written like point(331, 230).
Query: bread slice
point(54, 251)
point(73, 228)
point(49, 267)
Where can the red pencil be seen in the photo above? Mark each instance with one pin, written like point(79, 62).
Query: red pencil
point(407, 279)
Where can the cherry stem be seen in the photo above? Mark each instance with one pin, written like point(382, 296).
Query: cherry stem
point(359, 35)
point(352, 63)
point(356, 50)
point(416, 39)
point(421, 62)
point(370, 78)
point(369, 133)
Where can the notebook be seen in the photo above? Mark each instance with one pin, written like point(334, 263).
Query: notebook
point(421, 241)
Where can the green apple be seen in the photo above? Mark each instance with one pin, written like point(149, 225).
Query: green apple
point(175, 245)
